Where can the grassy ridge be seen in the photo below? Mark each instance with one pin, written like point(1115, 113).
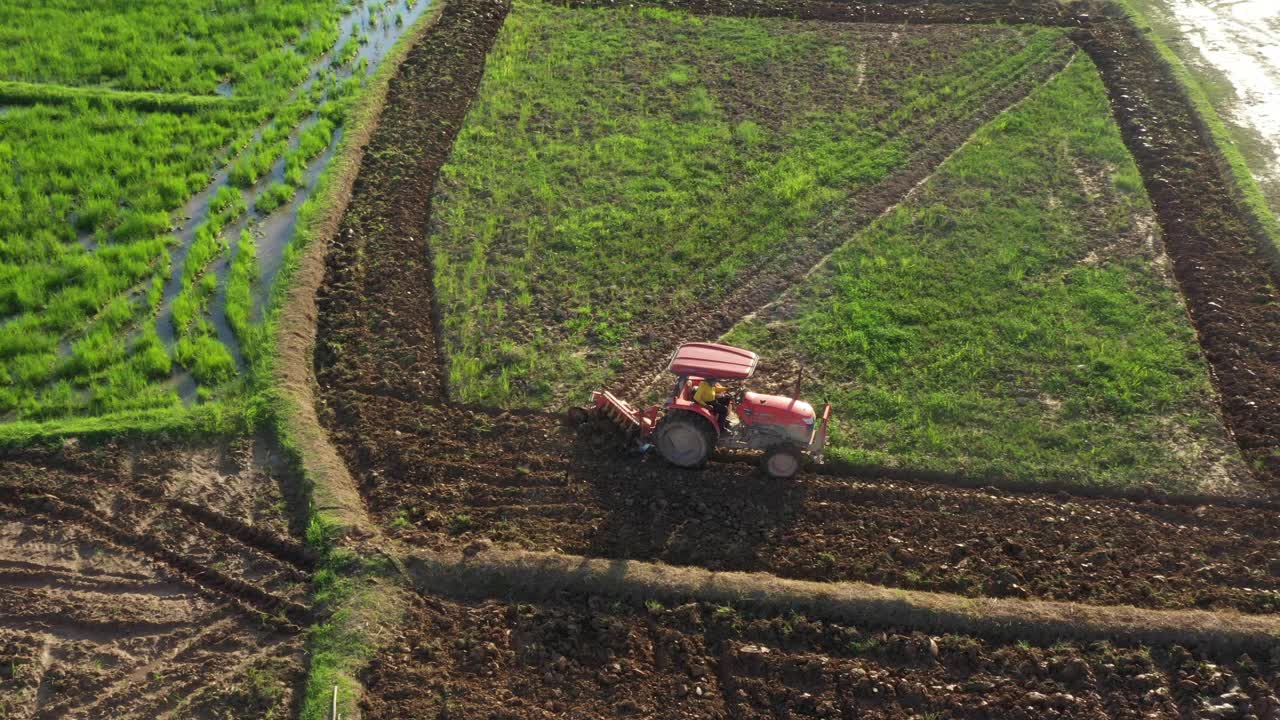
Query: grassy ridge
point(23, 93)
point(620, 165)
point(1014, 316)
point(363, 600)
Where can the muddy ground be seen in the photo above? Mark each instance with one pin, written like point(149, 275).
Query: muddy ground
point(589, 658)
point(149, 582)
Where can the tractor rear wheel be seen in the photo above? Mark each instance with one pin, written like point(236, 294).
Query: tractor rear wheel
point(685, 439)
point(782, 461)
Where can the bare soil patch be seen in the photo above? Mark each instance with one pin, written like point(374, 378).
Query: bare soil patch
point(587, 657)
point(440, 476)
point(147, 582)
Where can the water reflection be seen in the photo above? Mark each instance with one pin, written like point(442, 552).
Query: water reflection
point(1240, 40)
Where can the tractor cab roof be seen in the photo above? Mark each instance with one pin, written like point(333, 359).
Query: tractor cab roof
point(710, 360)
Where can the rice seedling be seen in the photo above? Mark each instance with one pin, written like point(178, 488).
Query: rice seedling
point(117, 115)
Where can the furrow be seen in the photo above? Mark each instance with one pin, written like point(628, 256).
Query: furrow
point(249, 597)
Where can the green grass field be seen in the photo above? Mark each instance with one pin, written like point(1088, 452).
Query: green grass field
point(113, 116)
point(1013, 317)
point(619, 166)
point(188, 46)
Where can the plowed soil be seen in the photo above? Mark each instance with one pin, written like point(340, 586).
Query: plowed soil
point(441, 474)
point(446, 475)
point(147, 582)
point(586, 658)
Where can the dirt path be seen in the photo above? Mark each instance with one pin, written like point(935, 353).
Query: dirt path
point(480, 572)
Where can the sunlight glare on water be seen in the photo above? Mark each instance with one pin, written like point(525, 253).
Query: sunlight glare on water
point(1241, 40)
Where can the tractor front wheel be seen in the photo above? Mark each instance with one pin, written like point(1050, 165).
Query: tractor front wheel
point(685, 439)
point(782, 461)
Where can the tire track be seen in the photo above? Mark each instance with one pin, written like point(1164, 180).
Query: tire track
point(257, 538)
point(251, 599)
point(131, 681)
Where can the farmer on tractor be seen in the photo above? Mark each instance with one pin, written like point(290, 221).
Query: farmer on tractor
point(711, 395)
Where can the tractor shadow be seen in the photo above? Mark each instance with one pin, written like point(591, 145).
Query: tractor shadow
point(726, 516)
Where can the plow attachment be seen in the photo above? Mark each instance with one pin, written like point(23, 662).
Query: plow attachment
point(610, 414)
point(634, 423)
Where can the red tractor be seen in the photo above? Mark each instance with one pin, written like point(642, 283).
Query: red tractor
point(685, 432)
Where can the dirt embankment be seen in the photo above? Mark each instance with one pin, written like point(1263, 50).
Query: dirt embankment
point(139, 582)
point(590, 657)
point(481, 571)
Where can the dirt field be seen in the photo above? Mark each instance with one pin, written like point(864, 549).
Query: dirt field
point(588, 658)
point(155, 581)
point(441, 476)
point(148, 582)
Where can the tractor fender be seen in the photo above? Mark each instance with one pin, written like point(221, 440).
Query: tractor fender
point(678, 406)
